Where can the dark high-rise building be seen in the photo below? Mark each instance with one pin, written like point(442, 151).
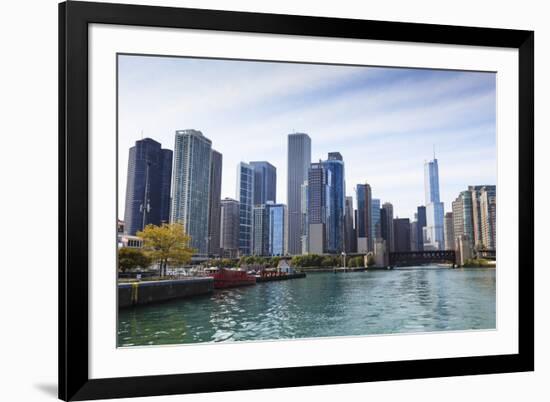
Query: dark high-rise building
point(298, 161)
point(386, 225)
point(365, 241)
point(317, 208)
point(402, 234)
point(421, 224)
point(265, 182)
point(413, 235)
point(229, 228)
point(334, 166)
point(261, 230)
point(191, 187)
point(215, 204)
point(350, 237)
point(148, 186)
point(376, 227)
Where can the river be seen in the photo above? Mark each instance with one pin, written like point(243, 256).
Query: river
point(413, 299)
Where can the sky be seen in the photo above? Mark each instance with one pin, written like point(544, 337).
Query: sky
point(386, 122)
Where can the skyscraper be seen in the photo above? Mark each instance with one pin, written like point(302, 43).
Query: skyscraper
point(449, 231)
point(298, 161)
point(350, 237)
point(304, 221)
point(402, 234)
point(420, 227)
point(229, 228)
point(191, 187)
point(488, 207)
point(376, 228)
point(463, 220)
point(215, 203)
point(365, 242)
point(147, 186)
point(434, 207)
point(261, 230)
point(414, 235)
point(265, 182)
point(386, 225)
point(488, 192)
point(277, 218)
point(318, 207)
point(245, 194)
point(335, 225)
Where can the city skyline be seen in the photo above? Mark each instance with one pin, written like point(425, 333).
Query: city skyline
point(462, 104)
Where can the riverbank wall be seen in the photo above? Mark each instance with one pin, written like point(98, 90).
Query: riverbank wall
point(261, 279)
point(140, 293)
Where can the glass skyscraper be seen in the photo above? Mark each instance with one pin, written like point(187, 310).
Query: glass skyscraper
point(215, 206)
point(337, 196)
point(147, 186)
point(191, 187)
point(277, 213)
point(265, 182)
point(435, 238)
point(376, 229)
point(298, 161)
point(245, 195)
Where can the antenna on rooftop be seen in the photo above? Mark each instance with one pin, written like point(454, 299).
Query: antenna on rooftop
point(434, 151)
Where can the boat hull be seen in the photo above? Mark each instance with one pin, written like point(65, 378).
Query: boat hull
point(225, 278)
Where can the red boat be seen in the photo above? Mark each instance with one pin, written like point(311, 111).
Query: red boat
point(230, 278)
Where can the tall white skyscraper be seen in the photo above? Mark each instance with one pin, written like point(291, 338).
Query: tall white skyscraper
point(298, 161)
point(191, 187)
point(435, 237)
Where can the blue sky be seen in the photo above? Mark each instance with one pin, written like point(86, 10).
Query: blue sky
point(384, 121)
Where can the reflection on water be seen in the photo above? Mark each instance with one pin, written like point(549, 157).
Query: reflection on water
point(415, 299)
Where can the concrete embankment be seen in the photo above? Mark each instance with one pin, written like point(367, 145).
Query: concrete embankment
point(138, 293)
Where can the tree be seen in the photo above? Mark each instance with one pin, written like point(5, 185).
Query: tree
point(167, 245)
point(131, 258)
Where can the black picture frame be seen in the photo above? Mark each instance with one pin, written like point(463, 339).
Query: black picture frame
point(74, 381)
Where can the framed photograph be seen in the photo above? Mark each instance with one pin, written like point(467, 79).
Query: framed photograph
point(258, 201)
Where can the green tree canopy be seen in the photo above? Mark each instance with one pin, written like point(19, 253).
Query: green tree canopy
point(131, 258)
point(166, 244)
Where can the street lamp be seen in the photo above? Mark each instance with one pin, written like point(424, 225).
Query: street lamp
point(344, 255)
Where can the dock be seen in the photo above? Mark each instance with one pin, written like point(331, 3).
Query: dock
point(284, 277)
